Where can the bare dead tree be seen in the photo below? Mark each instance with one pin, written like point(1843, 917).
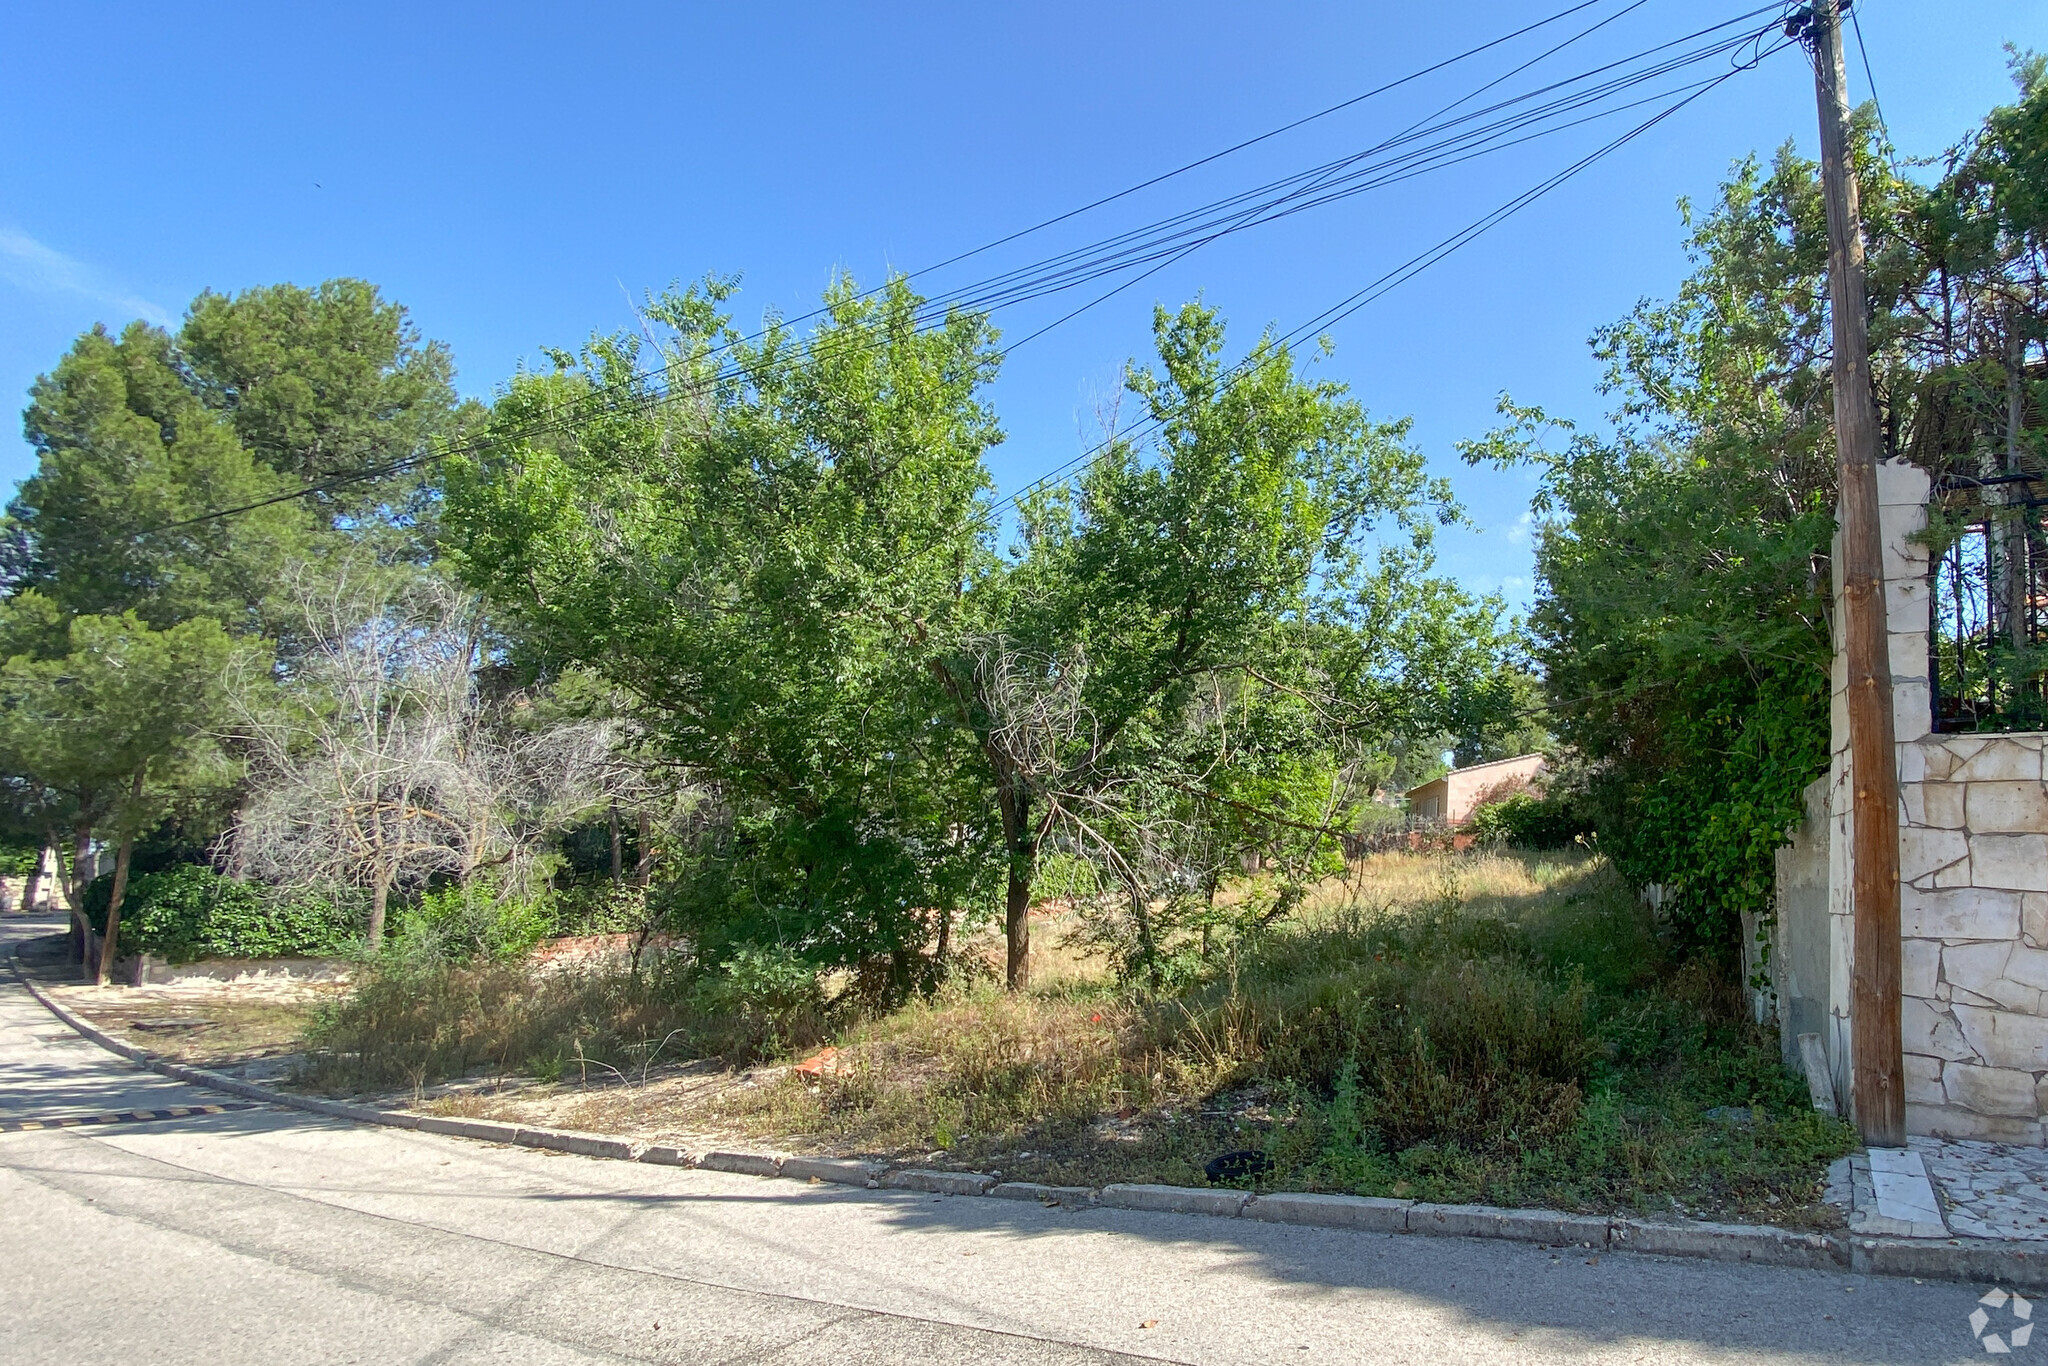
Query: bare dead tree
point(377, 764)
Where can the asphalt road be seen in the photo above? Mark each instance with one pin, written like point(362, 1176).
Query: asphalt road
point(271, 1237)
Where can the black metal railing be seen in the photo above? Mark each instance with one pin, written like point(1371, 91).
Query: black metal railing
point(1987, 643)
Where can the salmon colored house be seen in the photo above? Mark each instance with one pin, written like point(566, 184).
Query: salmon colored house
point(1451, 799)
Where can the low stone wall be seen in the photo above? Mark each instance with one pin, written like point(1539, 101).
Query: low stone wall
point(146, 970)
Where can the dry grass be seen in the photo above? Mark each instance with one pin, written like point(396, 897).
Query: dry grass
point(1491, 1026)
point(225, 1025)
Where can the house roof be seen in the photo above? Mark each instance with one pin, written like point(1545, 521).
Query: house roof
point(1471, 768)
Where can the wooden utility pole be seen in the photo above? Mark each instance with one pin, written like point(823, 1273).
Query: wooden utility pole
point(1877, 1073)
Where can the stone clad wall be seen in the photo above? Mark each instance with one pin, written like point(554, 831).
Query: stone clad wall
point(1973, 854)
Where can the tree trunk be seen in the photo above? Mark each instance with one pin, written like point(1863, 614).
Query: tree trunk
point(34, 882)
point(1016, 813)
point(1017, 922)
point(73, 888)
point(618, 847)
point(120, 890)
point(380, 896)
point(643, 866)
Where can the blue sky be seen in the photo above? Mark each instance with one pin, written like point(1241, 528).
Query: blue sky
point(517, 174)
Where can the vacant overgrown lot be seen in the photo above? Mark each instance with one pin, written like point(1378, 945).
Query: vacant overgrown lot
point(1501, 1027)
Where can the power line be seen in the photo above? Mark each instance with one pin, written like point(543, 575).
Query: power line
point(1072, 268)
point(1891, 150)
point(1379, 287)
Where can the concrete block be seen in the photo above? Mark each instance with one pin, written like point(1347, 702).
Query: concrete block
point(1907, 653)
point(743, 1164)
point(586, 1145)
point(1959, 913)
point(1991, 1090)
point(1457, 1219)
point(488, 1130)
point(1726, 1242)
point(2014, 862)
point(1905, 600)
point(1931, 1031)
point(1176, 1199)
point(2007, 808)
point(2002, 760)
point(662, 1155)
point(839, 1171)
point(2005, 1038)
point(1964, 996)
point(1551, 1227)
point(937, 1182)
point(1919, 966)
point(1070, 1196)
point(1923, 1081)
point(1938, 759)
point(1905, 1203)
point(1901, 484)
point(2034, 919)
point(1923, 851)
point(1953, 1121)
point(2027, 966)
point(1332, 1211)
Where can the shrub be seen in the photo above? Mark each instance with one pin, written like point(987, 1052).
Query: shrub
point(767, 996)
point(19, 860)
point(189, 912)
point(1531, 821)
point(474, 920)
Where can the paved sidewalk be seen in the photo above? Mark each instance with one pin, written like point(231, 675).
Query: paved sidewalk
point(1989, 1190)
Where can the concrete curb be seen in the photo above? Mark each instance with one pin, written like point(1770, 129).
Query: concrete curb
point(1956, 1259)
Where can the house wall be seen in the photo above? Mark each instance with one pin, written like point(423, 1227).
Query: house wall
point(1467, 787)
point(1973, 856)
point(1428, 801)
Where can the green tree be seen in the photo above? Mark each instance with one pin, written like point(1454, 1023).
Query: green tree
point(752, 554)
point(785, 557)
point(121, 726)
point(1213, 625)
point(126, 452)
point(325, 384)
point(1683, 620)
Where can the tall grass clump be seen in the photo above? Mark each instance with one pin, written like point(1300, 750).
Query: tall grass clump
point(413, 1021)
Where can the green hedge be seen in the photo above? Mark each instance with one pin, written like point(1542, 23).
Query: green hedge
point(190, 912)
point(1529, 821)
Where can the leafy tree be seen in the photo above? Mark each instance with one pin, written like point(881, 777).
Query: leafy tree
point(751, 555)
point(1683, 624)
point(125, 453)
point(120, 725)
point(325, 384)
point(1226, 630)
point(784, 557)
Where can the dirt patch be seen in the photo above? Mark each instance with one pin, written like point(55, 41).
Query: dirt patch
point(206, 1024)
